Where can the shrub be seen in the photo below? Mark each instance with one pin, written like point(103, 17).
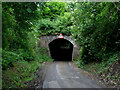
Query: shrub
point(8, 58)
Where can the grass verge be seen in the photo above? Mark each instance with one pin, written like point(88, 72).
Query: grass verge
point(20, 74)
point(107, 72)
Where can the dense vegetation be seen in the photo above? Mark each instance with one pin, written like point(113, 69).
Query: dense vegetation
point(20, 39)
point(21, 53)
point(94, 26)
point(97, 29)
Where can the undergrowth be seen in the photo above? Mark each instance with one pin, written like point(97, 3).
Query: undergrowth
point(107, 71)
point(17, 72)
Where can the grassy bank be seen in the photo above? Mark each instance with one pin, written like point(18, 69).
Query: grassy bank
point(20, 72)
point(107, 72)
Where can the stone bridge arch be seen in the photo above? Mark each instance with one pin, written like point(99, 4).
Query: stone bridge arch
point(45, 40)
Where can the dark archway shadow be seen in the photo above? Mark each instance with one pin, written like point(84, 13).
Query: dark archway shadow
point(61, 50)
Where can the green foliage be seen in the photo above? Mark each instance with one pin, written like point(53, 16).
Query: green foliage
point(23, 23)
point(112, 58)
point(18, 76)
point(108, 71)
point(64, 24)
point(61, 23)
point(22, 71)
point(46, 27)
point(51, 10)
point(96, 29)
point(8, 58)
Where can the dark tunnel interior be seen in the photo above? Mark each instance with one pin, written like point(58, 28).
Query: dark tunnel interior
point(61, 50)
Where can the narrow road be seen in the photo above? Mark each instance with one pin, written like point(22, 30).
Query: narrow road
point(62, 75)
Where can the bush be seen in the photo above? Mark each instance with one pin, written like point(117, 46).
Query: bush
point(21, 73)
point(96, 28)
point(27, 56)
point(8, 58)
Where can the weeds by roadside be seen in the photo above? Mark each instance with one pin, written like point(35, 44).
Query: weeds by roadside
point(107, 72)
point(18, 72)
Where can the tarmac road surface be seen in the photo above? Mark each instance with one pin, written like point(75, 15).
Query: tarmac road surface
point(62, 75)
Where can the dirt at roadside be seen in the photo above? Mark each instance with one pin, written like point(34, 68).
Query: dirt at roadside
point(111, 76)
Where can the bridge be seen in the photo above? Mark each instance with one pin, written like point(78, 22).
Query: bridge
point(56, 51)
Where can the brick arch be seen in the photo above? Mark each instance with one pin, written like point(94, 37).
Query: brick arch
point(45, 40)
point(65, 37)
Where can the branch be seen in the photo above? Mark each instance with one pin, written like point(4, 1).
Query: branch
point(116, 6)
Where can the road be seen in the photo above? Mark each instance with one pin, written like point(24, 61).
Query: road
point(62, 75)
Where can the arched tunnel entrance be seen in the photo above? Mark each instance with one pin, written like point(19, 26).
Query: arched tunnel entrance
point(61, 50)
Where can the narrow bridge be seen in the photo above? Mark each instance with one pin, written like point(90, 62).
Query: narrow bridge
point(58, 50)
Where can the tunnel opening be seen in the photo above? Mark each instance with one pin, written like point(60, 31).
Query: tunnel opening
point(61, 50)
